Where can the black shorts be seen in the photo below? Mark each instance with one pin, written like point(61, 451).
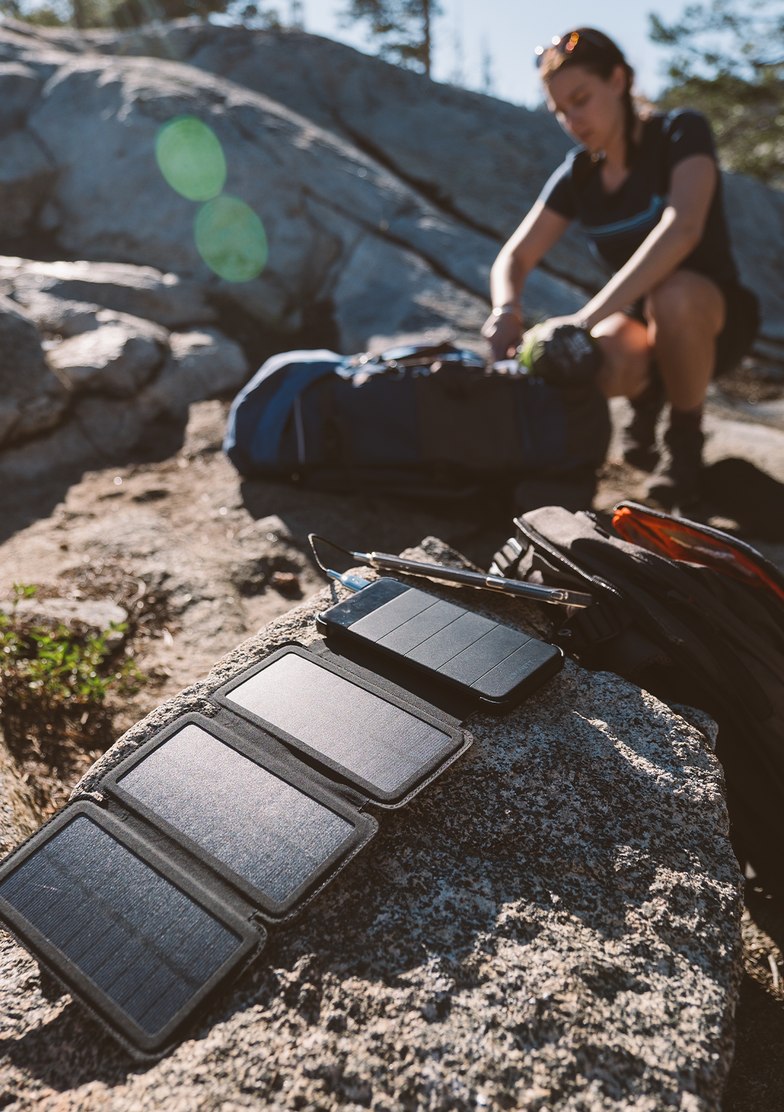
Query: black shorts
point(740, 325)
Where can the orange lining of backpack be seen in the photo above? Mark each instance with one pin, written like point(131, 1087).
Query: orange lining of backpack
point(680, 540)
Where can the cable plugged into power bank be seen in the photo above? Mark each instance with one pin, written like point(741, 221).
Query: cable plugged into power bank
point(353, 582)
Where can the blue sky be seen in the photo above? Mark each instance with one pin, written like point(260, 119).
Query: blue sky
point(507, 31)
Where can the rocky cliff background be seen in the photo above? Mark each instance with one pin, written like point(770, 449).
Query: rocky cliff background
point(384, 197)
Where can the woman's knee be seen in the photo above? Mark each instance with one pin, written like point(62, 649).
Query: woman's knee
point(686, 303)
point(626, 356)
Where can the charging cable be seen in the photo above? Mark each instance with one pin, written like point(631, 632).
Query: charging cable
point(353, 582)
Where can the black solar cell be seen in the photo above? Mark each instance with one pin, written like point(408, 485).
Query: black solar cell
point(359, 732)
point(266, 830)
point(140, 939)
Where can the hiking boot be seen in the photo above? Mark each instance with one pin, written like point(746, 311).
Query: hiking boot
point(638, 439)
point(677, 480)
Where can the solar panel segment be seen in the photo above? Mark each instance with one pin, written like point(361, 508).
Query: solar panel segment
point(360, 733)
point(139, 938)
point(266, 830)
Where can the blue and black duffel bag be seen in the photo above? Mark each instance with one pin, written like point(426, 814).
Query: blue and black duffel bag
point(412, 420)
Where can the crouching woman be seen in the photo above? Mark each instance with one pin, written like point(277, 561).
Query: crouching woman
point(647, 193)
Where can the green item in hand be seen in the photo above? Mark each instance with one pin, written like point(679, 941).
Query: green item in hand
point(563, 354)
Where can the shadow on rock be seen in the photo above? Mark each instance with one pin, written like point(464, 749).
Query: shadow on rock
point(735, 488)
point(477, 525)
point(70, 1051)
point(23, 503)
point(756, 1078)
point(765, 901)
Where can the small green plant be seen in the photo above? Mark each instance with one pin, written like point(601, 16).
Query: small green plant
point(60, 690)
point(48, 670)
point(22, 591)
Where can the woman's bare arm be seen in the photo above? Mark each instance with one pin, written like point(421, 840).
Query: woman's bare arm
point(668, 244)
point(533, 239)
point(528, 245)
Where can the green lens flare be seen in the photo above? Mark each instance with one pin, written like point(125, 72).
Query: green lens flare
point(191, 159)
point(231, 239)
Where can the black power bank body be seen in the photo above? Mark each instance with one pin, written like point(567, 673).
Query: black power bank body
point(494, 664)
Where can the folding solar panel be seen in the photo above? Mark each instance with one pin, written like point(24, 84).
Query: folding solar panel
point(146, 905)
point(120, 926)
point(272, 828)
point(365, 734)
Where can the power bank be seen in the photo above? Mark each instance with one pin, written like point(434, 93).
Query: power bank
point(497, 665)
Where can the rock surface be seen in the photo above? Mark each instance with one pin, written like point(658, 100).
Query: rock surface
point(200, 365)
point(18, 817)
point(19, 86)
point(96, 615)
point(757, 228)
point(96, 355)
point(141, 291)
point(116, 358)
point(26, 178)
point(553, 924)
point(31, 398)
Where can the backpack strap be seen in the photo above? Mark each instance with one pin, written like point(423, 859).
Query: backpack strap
point(667, 604)
point(585, 628)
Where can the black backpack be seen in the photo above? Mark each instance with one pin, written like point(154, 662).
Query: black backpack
point(692, 615)
point(414, 420)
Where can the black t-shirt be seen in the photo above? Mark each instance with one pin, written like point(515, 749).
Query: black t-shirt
point(617, 223)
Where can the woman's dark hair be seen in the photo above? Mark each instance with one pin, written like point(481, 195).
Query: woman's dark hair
point(597, 53)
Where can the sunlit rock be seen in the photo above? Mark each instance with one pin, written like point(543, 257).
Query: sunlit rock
point(202, 364)
point(141, 291)
point(116, 358)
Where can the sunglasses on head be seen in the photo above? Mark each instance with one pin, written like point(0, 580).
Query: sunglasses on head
point(567, 43)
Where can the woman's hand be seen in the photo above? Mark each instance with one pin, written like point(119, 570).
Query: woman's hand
point(516, 259)
point(504, 330)
point(576, 319)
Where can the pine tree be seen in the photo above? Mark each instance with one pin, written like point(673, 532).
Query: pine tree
point(728, 62)
point(404, 28)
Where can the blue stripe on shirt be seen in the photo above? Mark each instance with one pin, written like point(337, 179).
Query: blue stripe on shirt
point(649, 218)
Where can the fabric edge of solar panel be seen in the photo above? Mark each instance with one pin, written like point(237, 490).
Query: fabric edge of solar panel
point(384, 690)
point(142, 1047)
point(311, 783)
